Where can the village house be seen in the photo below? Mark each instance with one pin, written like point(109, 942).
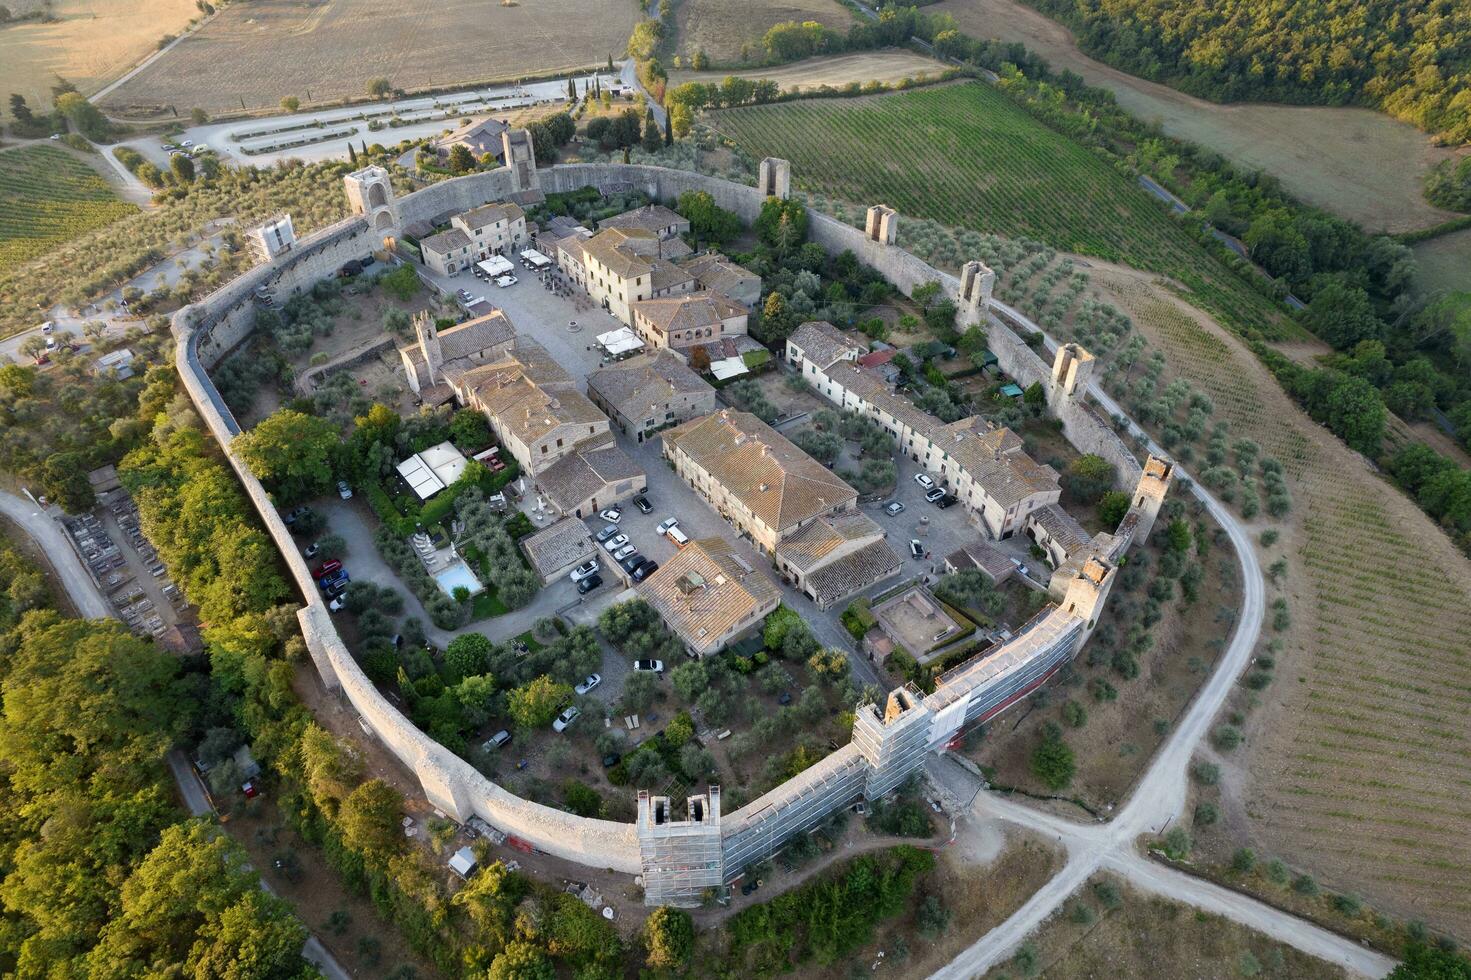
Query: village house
point(493, 229)
point(448, 252)
point(620, 267)
point(481, 137)
point(650, 392)
point(656, 219)
point(985, 467)
point(754, 477)
point(709, 595)
point(717, 273)
point(682, 322)
point(835, 556)
point(436, 353)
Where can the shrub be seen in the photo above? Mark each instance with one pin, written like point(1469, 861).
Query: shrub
point(1206, 773)
point(1074, 714)
point(1226, 737)
point(1177, 843)
point(1108, 893)
point(1277, 872)
point(1206, 814)
point(1052, 760)
point(1243, 860)
point(1304, 884)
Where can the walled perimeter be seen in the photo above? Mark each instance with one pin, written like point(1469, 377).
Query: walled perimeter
point(678, 859)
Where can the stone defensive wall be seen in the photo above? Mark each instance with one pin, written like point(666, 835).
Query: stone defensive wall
point(672, 855)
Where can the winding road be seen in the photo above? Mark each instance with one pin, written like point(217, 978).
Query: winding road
point(1157, 800)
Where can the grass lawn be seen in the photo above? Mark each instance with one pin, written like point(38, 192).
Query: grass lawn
point(967, 156)
point(488, 604)
point(47, 197)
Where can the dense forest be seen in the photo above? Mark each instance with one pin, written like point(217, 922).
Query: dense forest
point(1411, 58)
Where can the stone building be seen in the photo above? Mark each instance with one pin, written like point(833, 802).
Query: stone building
point(435, 354)
point(619, 267)
point(449, 252)
point(719, 274)
point(654, 218)
point(650, 392)
point(754, 477)
point(815, 346)
point(493, 229)
point(835, 556)
point(482, 137)
point(687, 321)
point(709, 595)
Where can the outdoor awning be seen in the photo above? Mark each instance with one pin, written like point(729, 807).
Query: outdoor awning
point(420, 477)
point(620, 341)
point(496, 265)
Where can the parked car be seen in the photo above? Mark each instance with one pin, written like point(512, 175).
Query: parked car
point(51, 345)
point(607, 532)
point(168, 146)
point(612, 515)
point(1021, 567)
point(679, 538)
point(566, 718)
point(649, 666)
point(615, 542)
point(343, 490)
point(312, 549)
point(463, 295)
point(48, 327)
point(644, 569)
point(947, 500)
point(499, 740)
point(585, 570)
point(504, 281)
point(643, 505)
point(664, 526)
point(186, 143)
point(333, 578)
point(894, 507)
point(934, 495)
point(630, 561)
point(338, 587)
point(337, 604)
point(588, 683)
point(624, 552)
point(916, 549)
point(923, 479)
point(326, 568)
point(588, 584)
point(611, 759)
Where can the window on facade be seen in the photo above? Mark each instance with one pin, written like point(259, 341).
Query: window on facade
point(559, 443)
point(543, 449)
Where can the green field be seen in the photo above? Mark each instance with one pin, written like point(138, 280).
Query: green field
point(965, 155)
point(48, 196)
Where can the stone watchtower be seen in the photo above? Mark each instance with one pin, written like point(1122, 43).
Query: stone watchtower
point(370, 193)
point(775, 178)
point(428, 336)
point(893, 743)
point(1088, 591)
point(1149, 496)
point(681, 858)
point(520, 156)
point(977, 282)
point(882, 225)
point(1071, 370)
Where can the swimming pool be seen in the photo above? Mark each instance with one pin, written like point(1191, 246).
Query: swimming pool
point(457, 575)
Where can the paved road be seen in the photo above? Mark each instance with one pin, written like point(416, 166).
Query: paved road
point(49, 536)
point(1155, 803)
point(629, 73)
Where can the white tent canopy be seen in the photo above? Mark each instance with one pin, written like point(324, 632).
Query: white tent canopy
point(728, 367)
point(496, 265)
point(620, 341)
point(535, 259)
point(431, 471)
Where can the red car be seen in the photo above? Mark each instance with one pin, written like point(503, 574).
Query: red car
point(327, 568)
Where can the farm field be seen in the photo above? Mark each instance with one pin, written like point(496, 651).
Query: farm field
point(332, 50)
point(1444, 262)
point(1152, 938)
point(722, 29)
point(966, 156)
point(866, 66)
point(93, 42)
point(1355, 764)
point(1357, 163)
point(48, 197)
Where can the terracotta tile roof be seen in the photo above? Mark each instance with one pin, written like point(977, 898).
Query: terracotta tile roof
point(445, 242)
point(822, 343)
point(652, 218)
point(475, 336)
point(982, 556)
point(702, 309)
point(489, 214)
point(715, 271)
point(666, 275)
point(553, 548)
point(612, 249)
point(814, 542)
point(1061, 526)
point(639, 385)
point(578, 476)
point(856, 570)
point(528, 392)
point(995, 460)
point(777, 482)
point(707, 590)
